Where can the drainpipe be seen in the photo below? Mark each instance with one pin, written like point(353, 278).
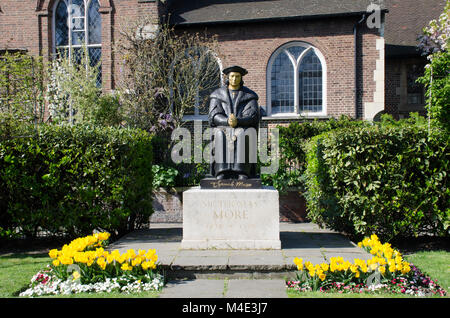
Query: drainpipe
point(355, 34)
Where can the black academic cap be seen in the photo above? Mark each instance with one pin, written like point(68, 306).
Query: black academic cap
point(235, 68)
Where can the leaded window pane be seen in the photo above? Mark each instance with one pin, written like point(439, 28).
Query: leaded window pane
point(78, 37)
point(310, 83)
point(77, 22)
point(61, 28)
point(94, 23)
point(296, 51)
point(77, 8)
point(282, 84)
point(85, 30)
point(95, 57)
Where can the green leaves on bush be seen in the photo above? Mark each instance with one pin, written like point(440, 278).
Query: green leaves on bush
point(73, 179)
point(391, 180)
point(293, 139)
point(437, 83)
point(163, 176)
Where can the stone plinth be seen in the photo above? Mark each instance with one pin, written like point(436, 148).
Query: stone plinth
point(231, 219)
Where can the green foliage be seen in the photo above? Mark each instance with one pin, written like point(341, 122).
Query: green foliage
point(292, 140)
point(73, 179)
point(388, 179)
point(21, 86)
point(72, 91)
point(437, 83)
point(163, 176)
point(107, 111)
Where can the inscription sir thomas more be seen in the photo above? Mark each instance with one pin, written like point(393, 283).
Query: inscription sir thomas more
point(230, 183)
point(230, 210)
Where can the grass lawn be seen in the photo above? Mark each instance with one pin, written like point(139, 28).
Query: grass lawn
point(435, 264)
point(16, 271)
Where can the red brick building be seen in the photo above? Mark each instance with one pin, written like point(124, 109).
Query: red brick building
point(313, 58)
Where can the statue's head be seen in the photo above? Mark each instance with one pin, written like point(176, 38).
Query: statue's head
point(234, 79)
point(234, 75)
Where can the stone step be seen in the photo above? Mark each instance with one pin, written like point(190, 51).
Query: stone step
point(304, 240)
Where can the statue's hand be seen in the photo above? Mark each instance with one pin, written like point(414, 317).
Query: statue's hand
point(232, 121)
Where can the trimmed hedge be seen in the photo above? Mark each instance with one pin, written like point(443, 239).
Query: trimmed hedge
point(391, 180)
point(292, 140)
point(74, 179)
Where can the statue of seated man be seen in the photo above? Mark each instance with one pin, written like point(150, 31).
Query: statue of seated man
point(234, 115)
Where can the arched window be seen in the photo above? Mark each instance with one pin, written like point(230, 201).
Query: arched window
point(77, 23)
point(296, 81)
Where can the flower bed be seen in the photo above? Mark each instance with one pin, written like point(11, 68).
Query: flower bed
point(385, 272)
point(84, 266)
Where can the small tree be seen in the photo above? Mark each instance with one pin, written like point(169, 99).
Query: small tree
point(21, 87)
point(72, 91)
point(434, 44)
point(164, 74)
point(75, 96)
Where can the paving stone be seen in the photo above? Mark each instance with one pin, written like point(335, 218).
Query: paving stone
point(255, 288)
point(200, 262)
point(198, 288)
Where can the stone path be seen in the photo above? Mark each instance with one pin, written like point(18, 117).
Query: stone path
point(237, 273)
point(225, 288)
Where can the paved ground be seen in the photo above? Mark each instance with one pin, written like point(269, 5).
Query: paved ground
point(237, 273)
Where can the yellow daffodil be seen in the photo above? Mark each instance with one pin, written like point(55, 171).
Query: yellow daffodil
point(299, 263)
point(148, 265)
point(76, 275)
point(322, 276)
point(406, 268)
point(53, 253)
point(324, 267)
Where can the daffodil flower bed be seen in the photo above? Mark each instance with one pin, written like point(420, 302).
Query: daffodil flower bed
point(385, 272)
point(85, 266)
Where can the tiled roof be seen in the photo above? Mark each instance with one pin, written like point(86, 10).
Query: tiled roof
point(227, 11)
point(407, 18)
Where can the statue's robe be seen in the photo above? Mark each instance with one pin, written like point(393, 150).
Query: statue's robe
point(228, 156)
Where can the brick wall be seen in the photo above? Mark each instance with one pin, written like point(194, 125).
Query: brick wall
point(19, 28)
point(251, 45)
point(28, 24)
point(392, 86)
point(168, 206)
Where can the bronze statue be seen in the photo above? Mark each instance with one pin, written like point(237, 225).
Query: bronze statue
point(234, 113)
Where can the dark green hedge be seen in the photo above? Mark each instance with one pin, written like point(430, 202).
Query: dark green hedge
point(292, 140)
point(388, 179)
point(72, 180)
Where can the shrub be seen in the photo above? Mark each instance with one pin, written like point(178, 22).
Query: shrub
point(73, 179)
point(21, 86)
point(163, 176)
point(292, 140)
point(387, 179)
